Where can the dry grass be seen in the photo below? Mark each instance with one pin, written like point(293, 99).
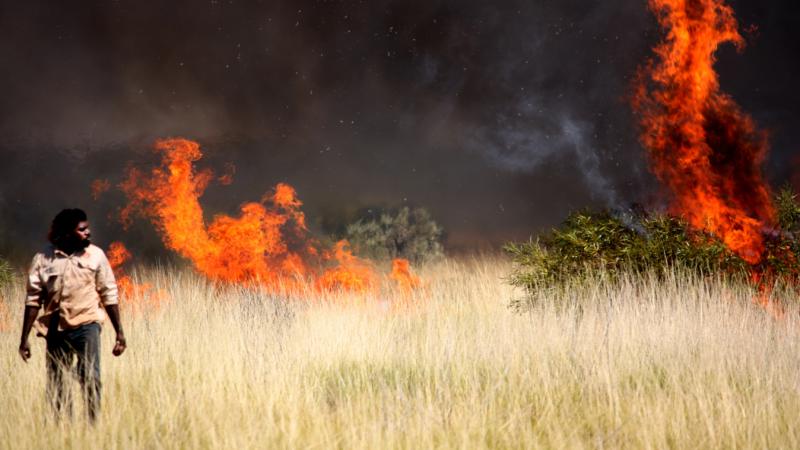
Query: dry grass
point(633, 364)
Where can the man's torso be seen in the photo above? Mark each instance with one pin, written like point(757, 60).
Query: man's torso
point(69, 291)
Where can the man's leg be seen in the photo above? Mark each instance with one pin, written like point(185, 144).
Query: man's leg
point(59, 362)
point(86, 341)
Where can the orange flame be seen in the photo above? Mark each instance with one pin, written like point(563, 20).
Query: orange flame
point(765, 283)
point(118, 255)
point(227, 178)
point(401, 274)
point(352, 273)
point(131, 292)
point(706, 150)
point(99, 186)
point(267, 244)
point(251, 247)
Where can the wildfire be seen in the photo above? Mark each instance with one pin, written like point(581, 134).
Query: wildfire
point(701, 144)
point(268, 244)
point(99, 186)
point(352, 274)
point(764, 298)
point(118, 255)
point(132, 292)
point(401, 274)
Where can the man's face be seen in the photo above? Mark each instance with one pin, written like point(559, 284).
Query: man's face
point(83, 234)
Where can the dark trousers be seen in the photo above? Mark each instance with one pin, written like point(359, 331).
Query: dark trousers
point(83, 342)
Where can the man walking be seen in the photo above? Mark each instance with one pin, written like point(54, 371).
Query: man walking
point(73, 282)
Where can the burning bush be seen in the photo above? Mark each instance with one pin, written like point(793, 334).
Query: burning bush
point(591, 243)
point(708, 153)
point(411, 234)
point(701, 144)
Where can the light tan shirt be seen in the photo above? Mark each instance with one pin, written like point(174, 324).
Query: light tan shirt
point(73, 287)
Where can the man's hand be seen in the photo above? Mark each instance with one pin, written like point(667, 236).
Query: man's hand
point(24, 350)
point(120, 346)
point(113, 315)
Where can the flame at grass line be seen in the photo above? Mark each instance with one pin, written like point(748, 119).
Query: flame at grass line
point(352, 274)
point(267, 245)
point(133, 294)
point(249, 248)
point(118, 255)
point(701, 145)
point(401, 274)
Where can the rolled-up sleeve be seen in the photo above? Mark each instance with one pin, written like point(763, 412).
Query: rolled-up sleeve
point(106, 283)
point(35, 284)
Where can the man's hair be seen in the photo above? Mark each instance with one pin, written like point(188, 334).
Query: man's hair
point(64, 224)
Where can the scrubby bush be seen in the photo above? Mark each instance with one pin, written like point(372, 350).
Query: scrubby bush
point(590, 243)
point(783, 245)
point(788, 210)
point(406, 233)
point(601, 242)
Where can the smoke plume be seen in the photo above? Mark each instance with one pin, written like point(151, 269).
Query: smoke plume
point(498, 117)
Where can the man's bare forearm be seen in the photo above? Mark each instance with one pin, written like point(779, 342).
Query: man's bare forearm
point(27, 321)
point(113, 316)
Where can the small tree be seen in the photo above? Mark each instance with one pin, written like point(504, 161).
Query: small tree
point(409, 234)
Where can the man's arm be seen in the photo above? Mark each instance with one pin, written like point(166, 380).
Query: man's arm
point(27, 323)
point(33, 292)
point(113, 315)
point(107, 288)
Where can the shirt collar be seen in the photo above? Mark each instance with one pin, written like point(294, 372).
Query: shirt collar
point(63, 254)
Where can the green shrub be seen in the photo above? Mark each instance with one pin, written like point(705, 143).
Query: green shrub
point(783, 245)
point(590, 243)
point(788, 210)
point(406, 233)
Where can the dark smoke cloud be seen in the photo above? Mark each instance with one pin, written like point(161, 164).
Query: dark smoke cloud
point(499, 117)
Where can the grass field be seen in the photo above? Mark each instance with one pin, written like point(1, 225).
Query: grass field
point(638, 363)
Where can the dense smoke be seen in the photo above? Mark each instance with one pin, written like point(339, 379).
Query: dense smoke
point(498, 117)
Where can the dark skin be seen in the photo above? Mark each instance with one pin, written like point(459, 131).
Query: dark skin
point(81, 238)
